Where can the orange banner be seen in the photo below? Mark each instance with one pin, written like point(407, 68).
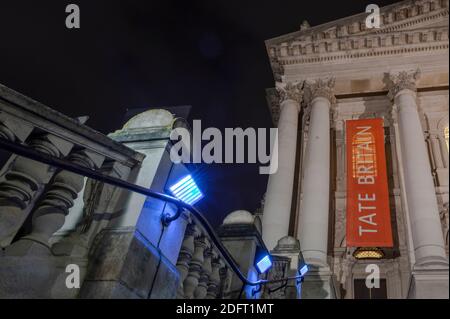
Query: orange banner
point(368, 215)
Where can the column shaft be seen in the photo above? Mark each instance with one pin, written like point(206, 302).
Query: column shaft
point(421, 197)
point(313, 222)
point(277, 207)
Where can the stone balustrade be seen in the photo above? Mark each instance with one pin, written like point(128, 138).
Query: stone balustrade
point(36, 199)
point(200, 266)
point(23, 181)
point(53, 221)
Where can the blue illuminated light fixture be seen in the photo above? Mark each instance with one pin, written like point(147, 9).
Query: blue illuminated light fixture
point(264, 264)
point(186, 190)
point(303, 266)
point(304, 270)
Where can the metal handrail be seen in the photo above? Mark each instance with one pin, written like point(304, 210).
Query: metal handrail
point(30, 153)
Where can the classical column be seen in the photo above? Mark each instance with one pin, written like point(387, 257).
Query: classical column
point(314, 211)
point(277, 208)
point(419, 187)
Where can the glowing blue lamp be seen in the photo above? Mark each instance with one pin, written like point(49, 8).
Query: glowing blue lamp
point(186, 190)
point(264, 264)
point(304, 270)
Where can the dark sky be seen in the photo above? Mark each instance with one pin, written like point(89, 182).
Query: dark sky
point(128, 54)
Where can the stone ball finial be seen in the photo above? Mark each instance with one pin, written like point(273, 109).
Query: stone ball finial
point(239, 217)
point(150, 118)
point(288, 243)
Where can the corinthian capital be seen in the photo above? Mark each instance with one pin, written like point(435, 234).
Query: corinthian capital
point(320, 88)
point(404, 80)
point(290, 91)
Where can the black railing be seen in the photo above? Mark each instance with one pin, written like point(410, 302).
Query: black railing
point(30, 153)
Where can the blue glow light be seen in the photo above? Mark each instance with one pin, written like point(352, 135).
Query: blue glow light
point(264, 264)
point(304, 270)
point(187, 190)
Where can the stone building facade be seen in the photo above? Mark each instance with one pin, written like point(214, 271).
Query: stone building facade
point(339, 71)
point(52, 219)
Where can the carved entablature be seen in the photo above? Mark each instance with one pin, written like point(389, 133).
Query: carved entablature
point(404, 80)
point(406, 27)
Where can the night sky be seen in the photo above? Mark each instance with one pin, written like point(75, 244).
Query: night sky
point(133, 54)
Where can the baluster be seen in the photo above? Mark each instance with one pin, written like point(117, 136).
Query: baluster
point(22, 183)
point(185, 256)
point(214, 279)
point(52, 210)
point(195, 267)
point(225, 280)
point(14, 129)
point(202, 287)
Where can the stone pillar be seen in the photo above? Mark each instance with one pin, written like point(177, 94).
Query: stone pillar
point(241, 236)
point(277, 208)
point(314, 211)
point(137, 255)
point(431, 267)
point(286, 260)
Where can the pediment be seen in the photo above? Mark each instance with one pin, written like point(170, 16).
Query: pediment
point(407, 25)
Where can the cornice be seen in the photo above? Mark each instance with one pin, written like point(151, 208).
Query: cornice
point(365, 53)
point(391, 20)
point(414, 21)
point(348, 39)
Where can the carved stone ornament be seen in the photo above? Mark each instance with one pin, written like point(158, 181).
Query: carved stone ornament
point(404, 80)
point(290, 91)
point(278, 69)
point(320, 88)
